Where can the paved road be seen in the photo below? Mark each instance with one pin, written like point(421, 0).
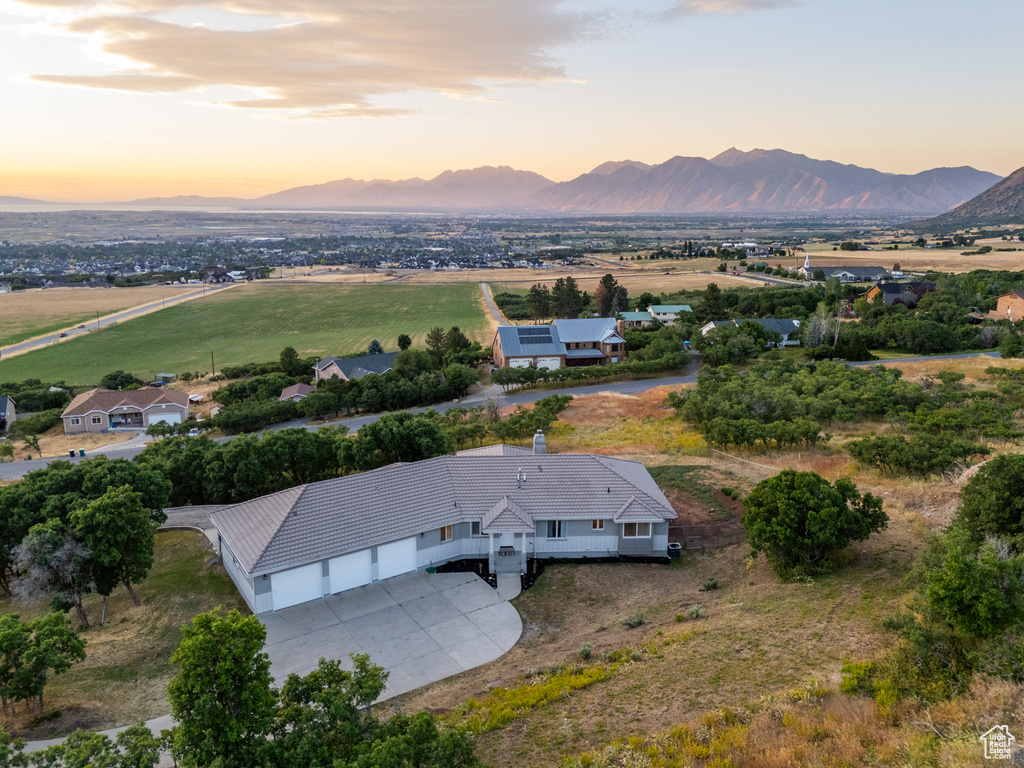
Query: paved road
point(42, 341)
point(16, 470)
point(491, 306)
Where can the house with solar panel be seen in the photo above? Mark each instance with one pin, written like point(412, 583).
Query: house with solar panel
point(564, 343)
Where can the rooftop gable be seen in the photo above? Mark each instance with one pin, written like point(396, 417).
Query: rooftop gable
point(586, 329)
point(108, 400)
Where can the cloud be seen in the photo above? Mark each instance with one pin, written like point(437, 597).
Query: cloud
point(339, 60)
point(697, 7)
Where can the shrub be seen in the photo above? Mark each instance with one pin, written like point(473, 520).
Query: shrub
point(710, 584)
point(585, 651)
point(35, 424)
point(633, 621)
point(695, 612)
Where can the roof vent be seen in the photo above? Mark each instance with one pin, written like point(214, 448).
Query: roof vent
point(520, 479)
point(540, 445)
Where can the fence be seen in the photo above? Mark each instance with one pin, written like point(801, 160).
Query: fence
point(734, 465)
point(709, 536)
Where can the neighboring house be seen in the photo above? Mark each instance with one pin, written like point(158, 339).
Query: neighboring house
point(6, 287)
point(101, 409)
point(572, 343)
point(216, 275)
point(668, 313)
point(789, 330)
point(849, 274)
point(634, 320)
point(1009, 306)
point(295, 392)
point(504, 505)
point(215, 409)
point(899, 293)
point(353, 367)
point(7, 412)
point(166, 378)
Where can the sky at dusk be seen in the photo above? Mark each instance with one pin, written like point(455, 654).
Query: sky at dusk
point(122, 99)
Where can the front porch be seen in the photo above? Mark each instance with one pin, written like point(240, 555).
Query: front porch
point(507, 553)
point(127, 420)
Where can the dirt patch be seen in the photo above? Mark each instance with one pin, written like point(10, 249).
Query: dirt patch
point(606, 407)
point(694, 511)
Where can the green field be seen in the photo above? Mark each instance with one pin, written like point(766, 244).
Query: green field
point(254, 323)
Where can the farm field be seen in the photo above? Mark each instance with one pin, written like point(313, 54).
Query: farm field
point(637, 282)
point(255, 322)
point(921, 259)
point(27, 314)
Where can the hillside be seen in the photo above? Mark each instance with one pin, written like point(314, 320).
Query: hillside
point(1002, 203)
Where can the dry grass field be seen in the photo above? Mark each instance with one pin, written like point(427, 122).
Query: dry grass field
point(920, 259)
point(663, 281)
point(125, 674)
point(31, 313)
point(54, 443)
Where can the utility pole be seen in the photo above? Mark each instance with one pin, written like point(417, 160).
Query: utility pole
point(97, 318)
point(213, 371)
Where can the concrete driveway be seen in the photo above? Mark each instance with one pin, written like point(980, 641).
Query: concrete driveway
point(420, 627)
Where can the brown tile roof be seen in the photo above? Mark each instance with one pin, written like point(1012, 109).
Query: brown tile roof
point(106, 400)
point(296, 389)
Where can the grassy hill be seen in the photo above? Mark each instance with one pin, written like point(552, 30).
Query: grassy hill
point(253, 323)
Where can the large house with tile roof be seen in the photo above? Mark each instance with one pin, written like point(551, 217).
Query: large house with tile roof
point(500, 503)
point(590, 341)
point(101, 409)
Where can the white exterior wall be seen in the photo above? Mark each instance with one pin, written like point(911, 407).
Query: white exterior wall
point(660, 543)
point(451, 550)
point(234, 570)
point(600, 546)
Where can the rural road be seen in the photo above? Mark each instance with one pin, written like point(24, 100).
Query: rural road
point(492, 307)
point(42, 341)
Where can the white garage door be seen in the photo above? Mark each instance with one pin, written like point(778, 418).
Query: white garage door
point(350, 571)
point(551, 363)
point(171, 417)
point(298, 585)
point(519, 362)
point(395, 558)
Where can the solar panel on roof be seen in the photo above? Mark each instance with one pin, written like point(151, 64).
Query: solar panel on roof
point(534, 331)
point(537, 340)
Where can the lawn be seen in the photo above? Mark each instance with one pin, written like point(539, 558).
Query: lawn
point(254, 323)
point(27, 314)
point(128, 659)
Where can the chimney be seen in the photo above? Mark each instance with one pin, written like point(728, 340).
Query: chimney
point(540, 445)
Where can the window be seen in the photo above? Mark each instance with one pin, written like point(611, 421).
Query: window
point(446, 533)
point(474, 528)
point(615, 359)
point(597, 525)
point(555, 529)
point(97, 420)
point(76, 421)
point(636, 530)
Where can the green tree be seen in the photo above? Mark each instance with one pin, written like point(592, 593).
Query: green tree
point(977, 589)
point(404, 341)
point(412, 362)
point(799, 519)
point(318, 404)
point(992, 502)
point(455, 342)
point(605, 295)
point(220, 695)
point(120, 380)
point(566, 298)
point(539, 301)
point(436, 344)
point(53, 647)
point(459, 378)
point(120, 534)
point(14, 640)
point(712, 304)
point(375, 348)
point(399, 437)
point(292, 364)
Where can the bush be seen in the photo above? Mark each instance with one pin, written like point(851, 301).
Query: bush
point(709, 585)
point(585, 651)
point(35, 424)
point(799, 520)
point(633, 621)
point(695, 612)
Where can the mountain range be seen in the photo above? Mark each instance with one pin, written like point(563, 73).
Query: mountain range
point(1002, 203)
point(758, 181)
